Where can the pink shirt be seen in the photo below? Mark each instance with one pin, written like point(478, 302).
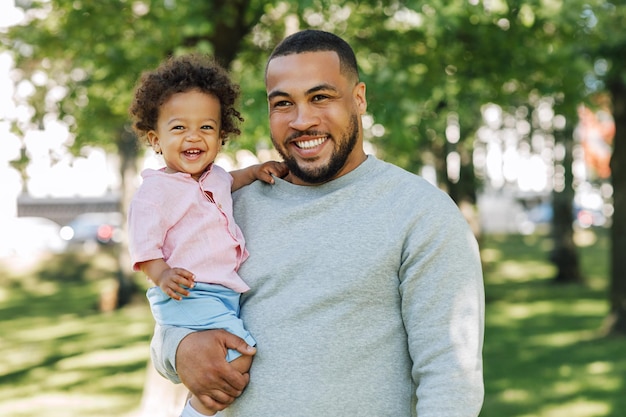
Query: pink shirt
point(189, 224)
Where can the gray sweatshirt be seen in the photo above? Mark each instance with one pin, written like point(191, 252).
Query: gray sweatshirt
point(366, 300)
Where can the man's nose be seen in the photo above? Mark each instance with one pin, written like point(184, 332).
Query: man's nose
point(305, 117)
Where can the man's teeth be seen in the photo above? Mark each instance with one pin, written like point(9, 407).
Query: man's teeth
point(308, 144)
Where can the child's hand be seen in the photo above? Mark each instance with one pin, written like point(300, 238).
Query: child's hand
point(265, 171)
point(174, 280)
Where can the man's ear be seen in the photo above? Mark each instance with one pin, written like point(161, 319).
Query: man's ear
point(359, 97)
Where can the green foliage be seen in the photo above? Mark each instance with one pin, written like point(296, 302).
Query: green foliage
point(422, 61)
point(97, 50)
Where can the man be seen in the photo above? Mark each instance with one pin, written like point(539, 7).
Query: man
point(366, 289)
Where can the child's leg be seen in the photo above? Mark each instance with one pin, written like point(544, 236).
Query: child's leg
point(241, 364)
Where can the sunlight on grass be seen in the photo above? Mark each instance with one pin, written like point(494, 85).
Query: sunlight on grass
point(524, 271)
point(61, 404)
point(4, 294)
point(596, 368)
point(107, 357)
point(584, 238)
point(578, 408)
point(66, 326)
point(24, 357)
point(515, 395)
point(560, 339)
point(490, 255)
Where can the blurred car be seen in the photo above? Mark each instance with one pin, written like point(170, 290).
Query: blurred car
point(591, 208)
point(26, 236)
point(536, 215)
point(93, 228)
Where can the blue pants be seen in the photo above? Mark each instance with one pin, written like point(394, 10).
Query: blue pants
point(208, 306)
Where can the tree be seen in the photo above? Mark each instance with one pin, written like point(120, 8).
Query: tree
point(606, 50)
point(461, 56)
point(429, 66)
point(94, 51)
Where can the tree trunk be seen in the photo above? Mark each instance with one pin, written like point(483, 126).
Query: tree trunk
point(564, 254)
point(617, 295)
point(463, 191)
point(236, 20)
point(128, 153)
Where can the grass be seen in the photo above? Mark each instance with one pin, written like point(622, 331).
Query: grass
point(544, 353)
point(59, 356)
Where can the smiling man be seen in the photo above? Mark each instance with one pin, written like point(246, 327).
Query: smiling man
point(315, 127)
point(366, 287)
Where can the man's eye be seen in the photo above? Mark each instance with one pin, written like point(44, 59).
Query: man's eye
point(319, 97)
point(281, 103)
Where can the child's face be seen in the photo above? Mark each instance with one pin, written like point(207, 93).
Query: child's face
point(188, 132)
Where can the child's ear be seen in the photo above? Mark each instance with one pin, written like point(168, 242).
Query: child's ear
point(153, 138)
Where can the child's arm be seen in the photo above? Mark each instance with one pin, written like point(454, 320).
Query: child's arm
point(263, 172)
point(171, 280)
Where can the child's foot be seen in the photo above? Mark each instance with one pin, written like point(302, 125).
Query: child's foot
point(191, 411)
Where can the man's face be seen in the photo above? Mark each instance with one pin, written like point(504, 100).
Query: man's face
point(315, 116)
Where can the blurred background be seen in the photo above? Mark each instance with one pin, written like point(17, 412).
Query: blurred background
point(517, 109)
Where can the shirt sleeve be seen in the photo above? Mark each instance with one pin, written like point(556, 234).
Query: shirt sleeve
point(163, 348)
point(146, 231)
point(443, 311)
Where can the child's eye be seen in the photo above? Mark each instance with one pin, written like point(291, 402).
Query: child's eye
point(207, 127)
point(177, 127)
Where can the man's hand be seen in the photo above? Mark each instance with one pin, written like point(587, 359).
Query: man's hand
point(203, 369)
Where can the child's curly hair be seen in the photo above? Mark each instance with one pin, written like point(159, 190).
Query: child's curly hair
point(178, 75)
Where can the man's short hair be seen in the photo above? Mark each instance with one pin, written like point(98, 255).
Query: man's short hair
point(311, 40)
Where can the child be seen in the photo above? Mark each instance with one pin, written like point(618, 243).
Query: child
point(182, 232)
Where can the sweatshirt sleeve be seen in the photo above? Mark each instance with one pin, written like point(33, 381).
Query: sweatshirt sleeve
point(442, 294)
point(163, 348)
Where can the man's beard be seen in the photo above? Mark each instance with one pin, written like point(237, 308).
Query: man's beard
point(337, 161)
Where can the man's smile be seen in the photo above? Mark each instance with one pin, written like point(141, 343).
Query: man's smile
point(308, 144)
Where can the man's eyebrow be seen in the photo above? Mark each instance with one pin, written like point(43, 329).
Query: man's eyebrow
point(312, 90)
point(321, 87)
point(277, 93)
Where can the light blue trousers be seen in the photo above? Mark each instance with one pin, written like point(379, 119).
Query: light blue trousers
point(208, 306)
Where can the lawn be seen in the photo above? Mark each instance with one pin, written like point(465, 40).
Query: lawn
point(544, 353)
point(59, 356)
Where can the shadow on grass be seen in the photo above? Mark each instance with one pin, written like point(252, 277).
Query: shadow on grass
point(58, 354)
point(544, 353)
